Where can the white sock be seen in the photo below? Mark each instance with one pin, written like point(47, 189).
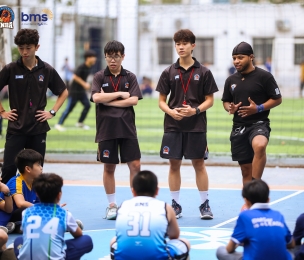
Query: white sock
point(111, 198)
point(175, 195)
point(203, 195)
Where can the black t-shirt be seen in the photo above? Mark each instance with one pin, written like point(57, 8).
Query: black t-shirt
point(298, 233)
point(259, 85)
point(76, 89)
point(201, 84)
point(27, 93)
point(115, 122)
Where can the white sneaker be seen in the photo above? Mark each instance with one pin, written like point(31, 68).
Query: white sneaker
point(111, 212)
point(60, 128)
point(82, 125)
point(79, 223)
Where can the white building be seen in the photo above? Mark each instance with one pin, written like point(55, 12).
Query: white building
point(275, 31)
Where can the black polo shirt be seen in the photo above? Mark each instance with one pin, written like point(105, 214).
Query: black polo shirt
point(259, 85)
point(201, 84)
point(77, 90)
point(115, 122)
point(27, 93)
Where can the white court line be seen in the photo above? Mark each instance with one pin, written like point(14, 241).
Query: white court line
point(271, 203)
point(288, 138)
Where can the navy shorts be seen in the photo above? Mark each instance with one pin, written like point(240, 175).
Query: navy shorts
point(191, 145)
point(108, 150)
point(241, 139)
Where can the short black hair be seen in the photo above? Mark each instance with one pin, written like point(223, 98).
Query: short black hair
point(47, 187)
point(89, 53)
point(27, 36)
point(184, 35)
point(113, 47)
point(27, 157)
point(256, 191)
point(145, 183)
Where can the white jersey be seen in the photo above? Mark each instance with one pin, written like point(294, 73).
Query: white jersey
point(141, 228)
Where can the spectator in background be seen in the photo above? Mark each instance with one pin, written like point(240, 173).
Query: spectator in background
point(68, 72)
point(301, 78)
point(146, 87)
point(268, 64)
point(231, 70)
point(78, 92)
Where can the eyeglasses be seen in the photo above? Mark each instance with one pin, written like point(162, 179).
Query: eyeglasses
point(115, 58)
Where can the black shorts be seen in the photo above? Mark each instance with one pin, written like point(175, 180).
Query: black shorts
point(175, 145)
point(241, 138)
point(128, 149)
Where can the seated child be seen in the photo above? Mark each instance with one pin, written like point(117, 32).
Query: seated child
point(298, 236)
point(261, 230)
point(28, 163)
point(143, 223)
point(45, 223)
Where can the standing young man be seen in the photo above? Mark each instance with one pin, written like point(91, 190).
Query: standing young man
point(78, 92)
point(28, 80)
point(115, 91)
point(249, 95)
point(191, 87)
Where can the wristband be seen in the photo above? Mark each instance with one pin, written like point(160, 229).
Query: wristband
point(7, 194)
point(2, 111)
point(260, 108)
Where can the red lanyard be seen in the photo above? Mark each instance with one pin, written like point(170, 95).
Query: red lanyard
point(115, 87)
point(185, 89)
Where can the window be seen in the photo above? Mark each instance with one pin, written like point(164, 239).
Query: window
point(298, 51)
point(262, 48)
point(165, 50)
point(204, 50)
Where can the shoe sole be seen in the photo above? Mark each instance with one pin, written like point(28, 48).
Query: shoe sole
point(111, 218)
point(206, 217)
point(178, 215)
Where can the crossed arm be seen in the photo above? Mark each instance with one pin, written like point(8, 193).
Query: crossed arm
point(110, 99)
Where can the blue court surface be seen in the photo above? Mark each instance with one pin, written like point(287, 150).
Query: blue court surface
point(88, 203)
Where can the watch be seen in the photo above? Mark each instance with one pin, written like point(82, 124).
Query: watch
point(7, 194)
point(53, 113)
point(198, 111)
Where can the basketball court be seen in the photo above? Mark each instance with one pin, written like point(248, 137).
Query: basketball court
point(86, 200)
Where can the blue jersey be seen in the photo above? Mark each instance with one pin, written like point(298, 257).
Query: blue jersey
point(44, 225)
point(263, 232)
point(141, 227)
point(17, 185)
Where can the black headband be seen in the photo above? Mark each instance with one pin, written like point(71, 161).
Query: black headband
point(242, 48)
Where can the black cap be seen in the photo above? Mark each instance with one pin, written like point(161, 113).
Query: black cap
point(242, 48)
point(89, 53)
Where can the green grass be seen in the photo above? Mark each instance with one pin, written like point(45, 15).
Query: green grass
point(287, 135)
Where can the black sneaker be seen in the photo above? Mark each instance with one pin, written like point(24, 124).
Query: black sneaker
point(177, 209)
point(205, 210)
